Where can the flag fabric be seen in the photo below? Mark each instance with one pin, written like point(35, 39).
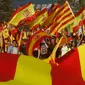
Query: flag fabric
point(79, 19)
point(1, 36)
point(14, 31)
point(25, 11)
point(26, 70)
point(51, 15)
point(71, 69)
point(61, 42)
point(5, 33)
point(35, 40)
point(63, 18)
point(40, 18)
point(23, 70)
point(27, 20)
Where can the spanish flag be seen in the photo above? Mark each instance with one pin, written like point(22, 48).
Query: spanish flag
point(40, 18)
point(79, 19)
point(35, 40)
point(25, 70)
point(25, 11)
point(63, 18)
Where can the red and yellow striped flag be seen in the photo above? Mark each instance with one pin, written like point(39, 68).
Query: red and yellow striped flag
point(63, 18)
point(35, 40)
point(25, 11)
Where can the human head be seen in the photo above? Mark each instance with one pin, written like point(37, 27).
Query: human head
point(14, 43)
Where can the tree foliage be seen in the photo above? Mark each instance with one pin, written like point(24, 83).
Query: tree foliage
point(5, 10)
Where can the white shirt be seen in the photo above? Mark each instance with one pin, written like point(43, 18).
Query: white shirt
point(64, 50)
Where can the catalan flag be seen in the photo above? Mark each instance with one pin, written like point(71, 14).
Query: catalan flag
point(63, 18)
point(35, 40)
point(26, 70)
point(79, 19)
point(25, 11)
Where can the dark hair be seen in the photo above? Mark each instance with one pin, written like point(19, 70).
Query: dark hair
point(42, 44)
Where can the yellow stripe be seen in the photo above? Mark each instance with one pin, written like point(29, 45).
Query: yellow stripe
point(81, 51)
point(62, 12)
point(65, 25)
point(31, 71)
point(61, 24)
point(65, 14)
point(50, 18)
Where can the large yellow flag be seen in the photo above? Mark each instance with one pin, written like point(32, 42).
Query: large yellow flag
point(26, 11)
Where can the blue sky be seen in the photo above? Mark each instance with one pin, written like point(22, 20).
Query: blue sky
point(16, 3)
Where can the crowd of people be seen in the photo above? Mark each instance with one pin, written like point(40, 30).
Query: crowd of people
point(46, 47)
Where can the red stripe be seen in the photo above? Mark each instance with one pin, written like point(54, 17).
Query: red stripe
point(39, 41)
point(53, 28)
point(23, 7)
point(63, 24)
point(80, 12)
point(67, 10)
point(66, 22)
point(38, 14)
point(81, 23)
point(27, 20)
point(58, 6)
point(30, 39)
point(69, 70)
point(8, 64)
point(42, 12)
point(60, 10)
point(20, 9)
point(35, 27)
point(15, 12)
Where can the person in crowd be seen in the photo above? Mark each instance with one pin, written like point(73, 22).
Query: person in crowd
point(36, 52)
point(53, 43)
point(74, 44)
point(43, 52)
point(23, 47)
point(65, 48)
point(13, 49)
point(1, 50)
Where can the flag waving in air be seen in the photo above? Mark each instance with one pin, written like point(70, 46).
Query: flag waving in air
point(25, 11)
point(79, 19)
point(35, 40)
point(40, 18)
point(63, 18)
